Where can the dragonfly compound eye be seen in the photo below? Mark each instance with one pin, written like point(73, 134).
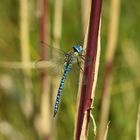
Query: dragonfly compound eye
point(78, 48)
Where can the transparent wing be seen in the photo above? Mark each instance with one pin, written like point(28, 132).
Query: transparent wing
point(54, 64)
point(52, 68)
point(52, 52)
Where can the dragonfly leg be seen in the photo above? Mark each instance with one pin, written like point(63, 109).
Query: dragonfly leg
point(79, 65)
point(82, 57)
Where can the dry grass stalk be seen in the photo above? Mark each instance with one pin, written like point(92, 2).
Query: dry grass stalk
point(138, 125)
point(106, 131)
point(57, 31)
point(17, 65)
point(25, 56)
point(44, 116)
point(85, 6)
point(111, 48)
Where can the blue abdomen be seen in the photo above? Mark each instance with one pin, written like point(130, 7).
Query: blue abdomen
point(66, 70)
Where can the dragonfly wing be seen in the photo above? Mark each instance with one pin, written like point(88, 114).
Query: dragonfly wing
point(52, 51)
point(53, 67)
point(54, 63)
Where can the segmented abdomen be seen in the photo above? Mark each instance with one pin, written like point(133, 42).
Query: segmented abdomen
point(66, 70)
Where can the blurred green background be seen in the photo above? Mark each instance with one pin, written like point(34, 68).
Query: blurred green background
point(125, 96)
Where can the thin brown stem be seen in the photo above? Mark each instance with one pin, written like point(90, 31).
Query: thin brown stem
point(44, 95)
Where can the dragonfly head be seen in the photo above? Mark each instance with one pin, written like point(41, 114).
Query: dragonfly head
point(78, 49)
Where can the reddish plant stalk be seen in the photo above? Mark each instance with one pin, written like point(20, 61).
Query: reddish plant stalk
point(88, 76)
point(42, 35)
point(43, 78)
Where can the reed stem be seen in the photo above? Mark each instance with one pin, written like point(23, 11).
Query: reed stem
point(85, 91)
point(110, 53)
point(44, 122)
point(25, 57)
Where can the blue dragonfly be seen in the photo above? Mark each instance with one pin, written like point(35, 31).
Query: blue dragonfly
point(69, 58)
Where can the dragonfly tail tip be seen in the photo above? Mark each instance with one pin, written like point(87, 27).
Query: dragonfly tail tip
point(54, 114)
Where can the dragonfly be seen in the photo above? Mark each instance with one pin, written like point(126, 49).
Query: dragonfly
point(67, 59)
point(71, 57)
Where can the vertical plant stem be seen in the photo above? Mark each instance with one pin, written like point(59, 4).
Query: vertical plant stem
point(57, 31)
point(85, 9)
point(111, 48)
point(138, 125)
point(57, 23)
point(44, 96)
point(25, 56)
point(43, 53)
point(85, 91)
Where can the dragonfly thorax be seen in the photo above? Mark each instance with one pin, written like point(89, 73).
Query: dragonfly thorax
point(70, 58)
